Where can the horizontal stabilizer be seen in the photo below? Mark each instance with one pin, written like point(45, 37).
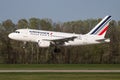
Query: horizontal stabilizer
point(103, 40)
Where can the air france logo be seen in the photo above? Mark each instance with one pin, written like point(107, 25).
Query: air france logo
point(41, 33)
point(51, 34)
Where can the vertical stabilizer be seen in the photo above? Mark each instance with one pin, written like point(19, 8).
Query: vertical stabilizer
point(101, 28)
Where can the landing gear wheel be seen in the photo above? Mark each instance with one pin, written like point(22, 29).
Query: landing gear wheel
point(57, 50)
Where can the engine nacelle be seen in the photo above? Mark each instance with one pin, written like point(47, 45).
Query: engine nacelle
point(42, 43)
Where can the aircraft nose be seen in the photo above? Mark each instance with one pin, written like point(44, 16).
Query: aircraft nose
point(10, 35)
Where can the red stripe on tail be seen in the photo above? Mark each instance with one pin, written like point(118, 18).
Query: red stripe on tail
point(106, 28)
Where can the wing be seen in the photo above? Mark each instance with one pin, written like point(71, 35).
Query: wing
point(61, 41)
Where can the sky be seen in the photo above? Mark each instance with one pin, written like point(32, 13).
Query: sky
point(59, 10)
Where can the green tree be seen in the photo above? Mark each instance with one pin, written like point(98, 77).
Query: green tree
point(22, 23)
point(46, 24)
point(34, 23)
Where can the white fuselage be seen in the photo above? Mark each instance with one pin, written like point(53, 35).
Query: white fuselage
point(31, 35)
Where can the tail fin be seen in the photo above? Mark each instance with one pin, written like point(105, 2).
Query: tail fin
point(101, 28)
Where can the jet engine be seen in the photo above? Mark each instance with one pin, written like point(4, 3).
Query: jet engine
point(42, 43)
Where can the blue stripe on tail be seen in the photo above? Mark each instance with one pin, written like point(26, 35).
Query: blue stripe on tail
point(100, 25)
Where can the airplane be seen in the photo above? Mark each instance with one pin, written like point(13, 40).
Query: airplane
point(52, 38)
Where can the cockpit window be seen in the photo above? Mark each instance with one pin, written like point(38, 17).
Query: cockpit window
point(17, 32)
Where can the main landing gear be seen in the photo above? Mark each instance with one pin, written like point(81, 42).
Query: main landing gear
point(57, 50)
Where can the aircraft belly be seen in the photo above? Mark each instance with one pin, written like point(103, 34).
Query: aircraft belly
point(77, 42)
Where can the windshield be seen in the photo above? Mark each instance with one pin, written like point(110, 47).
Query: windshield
point(16, 32)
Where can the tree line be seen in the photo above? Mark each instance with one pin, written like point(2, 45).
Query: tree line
point(14, 52)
